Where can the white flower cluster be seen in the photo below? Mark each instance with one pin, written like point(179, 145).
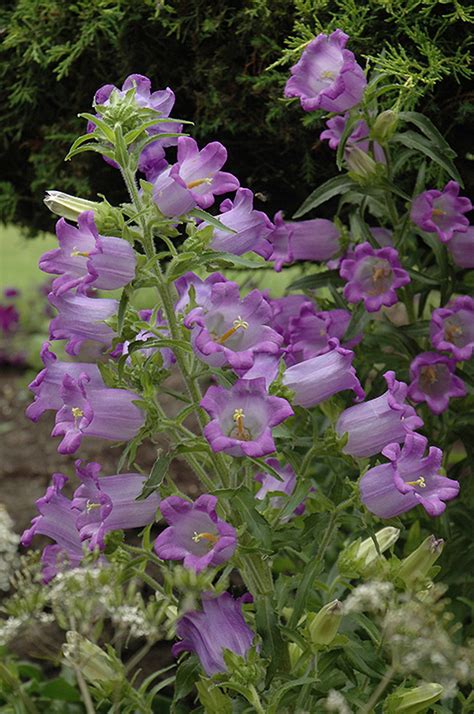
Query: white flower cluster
point(9, 541)
point(335, 702)
point(9, 628)
point(134, 619)
point(369, 597)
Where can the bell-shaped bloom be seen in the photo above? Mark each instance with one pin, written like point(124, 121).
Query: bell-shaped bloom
point(441, 212)
point(287, 308)
point(411, 478)
point(219, 626)
point(243, 417)
point(46, 386)
point(81, 318)
point(461, 247)
point(383, 236)
point(310, 332)
point(171, 194)
point(201, 289)
point(196, 535)
point(229, 330)
point(57, 520)
point(152, 161)
point(319, 378)
point(452, 328)
point(434, 381)
point(358, 137)
point(85, 259)
point(373, 275)
point(327, 76)
point(270, 484)
point(144, 336)
point(9, 319)
point(374, 424)
point(266, 365)
point(109, 503)
point(103, 413)
point(316, 240)
point(251, 228)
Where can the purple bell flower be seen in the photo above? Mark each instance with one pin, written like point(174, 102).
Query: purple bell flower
point(266, 365)
point(171, 194)
point(441, 212)
point(243, 417)
point(108, 503)
point(452, 328)
point(461, 247)
point(152, 161)
point(378, 422)
point(270, 484)
point(327, 76)
point(287, 308)
point(103, 413)
point(195, 534)
point(383, 236)
point(310, 332)
point(81, 318)
point(411, 479)
point(316, 240)
point(434, 381)
point(229, 330)
point(219, 626)
point(85, 259)
point(252, 228)
point(373, 275)
point(359, 137)
point(201, 288)
point(316, 379)
point(167, 354)
point(9, 319)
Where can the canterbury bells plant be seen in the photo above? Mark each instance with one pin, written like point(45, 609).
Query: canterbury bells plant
point(326, 416)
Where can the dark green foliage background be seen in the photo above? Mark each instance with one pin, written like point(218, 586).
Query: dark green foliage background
point(54, 55)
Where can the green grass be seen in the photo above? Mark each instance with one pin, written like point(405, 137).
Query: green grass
point(19, 258)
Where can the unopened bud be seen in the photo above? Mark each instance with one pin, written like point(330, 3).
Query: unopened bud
point(413, 701)
point(362, 167)
point(415, 568)
point(95, 664)
point(294, 654)
point(384, 126)
point(367, 552)
point(323, 626)
point(68, 206)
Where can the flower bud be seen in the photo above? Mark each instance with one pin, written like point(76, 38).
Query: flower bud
point(384, 126)
point(362, 167)
point(414, 700)
point(323, 626)
point(294, 654)
point(95, 664)
point(367, 552)
point(68, 206)
point(415, 568)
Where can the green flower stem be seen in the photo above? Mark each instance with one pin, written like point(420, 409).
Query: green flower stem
point(254, 699)
point(379, 690)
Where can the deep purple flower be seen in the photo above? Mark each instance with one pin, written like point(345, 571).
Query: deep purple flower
point(195, 535)
point(358, 137)
point(383, 236)
point(271, 484)
point(461, 247)
point(378, 422)
point(229, 330)
point(452, 328)
point(410, 479)
point(152, 161)
point(10, 293)
point(47, 384)
point(373, 275)
point(266, 365)
point(434, 381)
point(220, 626)
point(85, 259)
point(287, 308)
point(103, 413)
point(81, 318)
point(201, 288)
point(319, 378)
point(327, 76)
point(310, 331)
point(9, 319)
point(243, 417)
point(316, 240)
point(108, 503)
point(252, 228)
point(441, 212)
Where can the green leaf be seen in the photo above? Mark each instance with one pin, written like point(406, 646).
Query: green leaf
point(426, 126)
point(329, 189)
point(257, 525)
point(60, 689)
point(239, 261)
point(205, 216)
point(155, 479)
point(317, 280)
point(100, 123)
point(412, 140)
point(423, 278)
point(186, 675)
point(98, 148)
point(122, 308)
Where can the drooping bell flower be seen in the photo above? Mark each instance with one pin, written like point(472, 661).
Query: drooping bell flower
point(103, 413)
point(287, 308)
point(266, 365)
point(47, 384)
point(358, 137)
point(461, 247)
point(452, 328)
point(434, 381)
point(85, 259)
point(243, 417)
point(316, 240)
point(339, 320)
point(409, 479)
point(229, 330)
point(144, 336)
point(219, 626)
point(251, 228)
point(201, 289)
point(109, 503)
point(319, 378)
point(195, 534)
point(373, 275)
point(374, 424)
point(270, 484)
point(327, 76)
point(310, 332)
point(81, 318)
point(152, 161)
point(383, 236)
point(441, 212)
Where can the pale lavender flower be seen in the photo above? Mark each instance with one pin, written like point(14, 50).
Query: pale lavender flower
point(441, 212)
point(145, 336)
point(461, 247)
point(452, 328)
point(270, 484)
point(310, 331)
point(201, 289)
point(287, 308)
point(315, 240)
point(358, 137)
point(81, 318)
point(434, 381)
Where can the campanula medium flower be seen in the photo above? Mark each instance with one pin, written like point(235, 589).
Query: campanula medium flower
point(373, 275)
point(358, 137)
point(85, 259)
point(109, 503)
point(374, 424)
point(452, 328)
point(287, 308)
point(152, 161)
point(411, 478)
point(310, 331)
point(315, 240)
point(229, 330)
point(243, 417)
point(195, 534)
point(441, 212)
point(434, 381)
point(327, 75)
point(104, 413)
point(319, 378)
point(270, 484)
point(145, 336)
point(461, 247)
point(81, 318)
point(201, 289)
point(219, 626)
point(251, 228)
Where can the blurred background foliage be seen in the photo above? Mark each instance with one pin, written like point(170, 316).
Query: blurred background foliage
point(227, 61)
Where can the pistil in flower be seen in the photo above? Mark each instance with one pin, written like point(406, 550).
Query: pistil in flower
point(419, 482)
point(82, 253)
point(199, 182)
point(452, 331)
point(77, 413)
point(236, 325)
point(239, 431)
point(197, 537)
point(380, 273)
